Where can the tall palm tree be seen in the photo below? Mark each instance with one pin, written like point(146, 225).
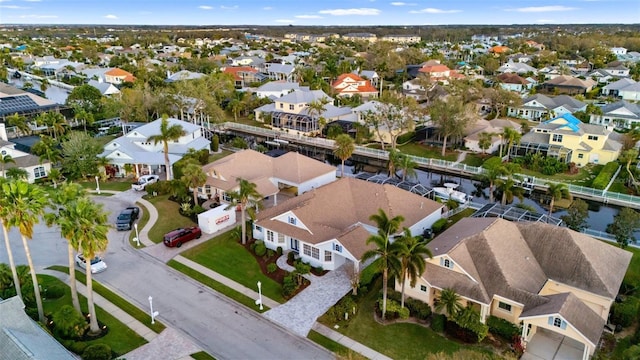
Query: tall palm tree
point(345, 146)
point(4, 217)
point(407, 165)
point(394, 159)
point(557, 191)
point(4, 160)
point(47, 149)
point(91, 227)
point(511, 136)
point(509, 190)
point(194, 177)
point(20, 122)
point(316, 108)
point(492, 172)
point(450, 302)
point(25, 204)
point(412, 253)
point(246, 197)
point(167, 133)
point(385, 251)
point(64, 215)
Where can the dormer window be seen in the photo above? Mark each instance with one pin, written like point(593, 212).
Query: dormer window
point(292, 220)
point(446, 263)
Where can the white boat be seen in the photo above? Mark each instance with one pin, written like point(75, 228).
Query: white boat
point(448, 191)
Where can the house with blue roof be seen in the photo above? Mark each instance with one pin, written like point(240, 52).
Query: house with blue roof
point(570, 140)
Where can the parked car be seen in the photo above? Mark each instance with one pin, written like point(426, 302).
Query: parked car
point(127, 217)
point(143, 181)
point(177, 237)
point(97, 264)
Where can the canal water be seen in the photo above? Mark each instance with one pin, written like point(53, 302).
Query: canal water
point(53, 93)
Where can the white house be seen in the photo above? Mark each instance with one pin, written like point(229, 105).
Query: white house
point(134, 148)
point(329, 226)
point(625, 88)
point(493, 127)
point(621, 115)
point(540, 107)
point(30, 163)
point(276, 89)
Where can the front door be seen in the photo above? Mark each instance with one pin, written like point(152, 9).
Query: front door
point(295, 245)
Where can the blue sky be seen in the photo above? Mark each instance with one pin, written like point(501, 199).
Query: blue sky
point(318, 12)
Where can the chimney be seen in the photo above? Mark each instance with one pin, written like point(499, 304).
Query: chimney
point(3, 132)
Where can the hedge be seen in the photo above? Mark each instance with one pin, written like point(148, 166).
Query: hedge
point(506, 329)
point(438, 322)
point(604, 177)
point(417, 308)
point(624, 313)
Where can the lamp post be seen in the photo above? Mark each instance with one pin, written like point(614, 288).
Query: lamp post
point(259, 301)
point(137, 238)
point(97, 184)
point(153, 313)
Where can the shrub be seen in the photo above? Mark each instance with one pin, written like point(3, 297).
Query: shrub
point(419, 309)
point(77, 347)
point(604, 177)
point(272, 268)
point(239, 143)
point(406, 137)
point(503, 328)
point(289, 285)
point(346, 305)
point(69, 323)
point(439, 226)
point(97, 352)
point(624, 313)
point(215, 143)
point(302, 268)
point(260, 248)
point(438, 322)
point(394, 310)
point(291, 256)
point(270, 253)
point(367, 276)
point(54, 292)
point(279, 251)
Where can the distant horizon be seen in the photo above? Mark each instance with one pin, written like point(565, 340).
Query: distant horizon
point(326, 13)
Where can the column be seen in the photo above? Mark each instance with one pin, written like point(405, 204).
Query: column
point(484, 311)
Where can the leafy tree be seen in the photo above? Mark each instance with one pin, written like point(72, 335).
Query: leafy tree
point(393, 115)
point(624, 225)
point(80, 155)
point(577, 214)
point(385, 251)
point(412, 253)
point(167, 133)
point(24, 204)
point(451, 117)
point(69, 322)
point(48, 149)
point(247, 196)
point(17, 173)
point(484, 141)
point(194, 177)
point(628, 157)
point(407, 165)
point(557, 191)
point(85, 97)
point(450, 302)
point(500, 99)
point(345, 146)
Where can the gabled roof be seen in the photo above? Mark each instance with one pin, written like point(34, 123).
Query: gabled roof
point(620, 84)
point(352, 84)
point(127, 76)
point(633, 108)
point(512, 78)
point(305, 97)
point(279, 85)
point(566, 80)
point(235, 70)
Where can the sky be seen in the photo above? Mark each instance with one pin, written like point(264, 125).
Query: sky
point(318, 12)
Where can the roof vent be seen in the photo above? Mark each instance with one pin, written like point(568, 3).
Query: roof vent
point(421, 205)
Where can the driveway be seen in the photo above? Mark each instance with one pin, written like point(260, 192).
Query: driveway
point(301, 312)
point(216, 324)
point(547, 345)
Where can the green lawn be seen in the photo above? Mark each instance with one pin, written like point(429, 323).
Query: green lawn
point(473, 159)
point(226, 256)
point(120, 338)
point(144, 219)
point(385, 338)
point(114, 185)
point(339, 349)
point(168, 217)
point(220, 155)
point(217, 286)
point(427, 151)
point(103, 140)
point(116, 300)
point(202, 356)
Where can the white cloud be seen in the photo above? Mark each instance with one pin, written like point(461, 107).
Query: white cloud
point(110, 16)
point(308, 17)
point(267, 8)
point(345, 12)
point(205, 7)
point(229, 7)
point(550, 8)
point(13, 7)
point(400, 3)
point(285, 21)
point(32, 0)
point(434, 11)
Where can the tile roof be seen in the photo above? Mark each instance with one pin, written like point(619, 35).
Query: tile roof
point(353, 84)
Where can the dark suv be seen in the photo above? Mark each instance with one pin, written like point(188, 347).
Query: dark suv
point(127, 217)
point(177, 237)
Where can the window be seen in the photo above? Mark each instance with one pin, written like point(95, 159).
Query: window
point(292, 220)
point(280, 238)
point(226, 197)
point(258, 229)
point(291, 107)
point(337, 247)
point(281, 106)
point(557, 138)
point(307, 249)
point(269, 235)
point(315, 253)
point(504, 306)
point(423, 288)
point(328, 256)
point(38, 172)
point(592, 137)
point(446, 263)
point(557, 322)
point(580, 156)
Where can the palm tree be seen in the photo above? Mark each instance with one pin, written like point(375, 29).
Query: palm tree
point(167, 133)
point(345, 146)
point(450, 302)
point(17, 173)
point(91, 227)
point(394, 159)
point(411, 252)
point(4, 217)
point(628, 157)
point(509, 190)
point(4, 160)
point(484, 141)
point(64, 204)
point(316, 108)
point(194, 177)
point(25, 203)
point(20, 122)
point(557, 191)
point(385, 251)
point(47, 149)
point(246, 197)
point(407, 165)
point(55, 123)
point(511, 136)
point(492, 172)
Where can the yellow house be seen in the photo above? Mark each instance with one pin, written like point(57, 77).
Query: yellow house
point(556, 283)
point(570, 140)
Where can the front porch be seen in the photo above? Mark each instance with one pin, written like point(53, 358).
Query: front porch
point(549, 345)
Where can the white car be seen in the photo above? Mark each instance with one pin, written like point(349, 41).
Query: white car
point(143, 181)
point(97, 265)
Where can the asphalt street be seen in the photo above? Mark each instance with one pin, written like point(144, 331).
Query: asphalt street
point(223, 328)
